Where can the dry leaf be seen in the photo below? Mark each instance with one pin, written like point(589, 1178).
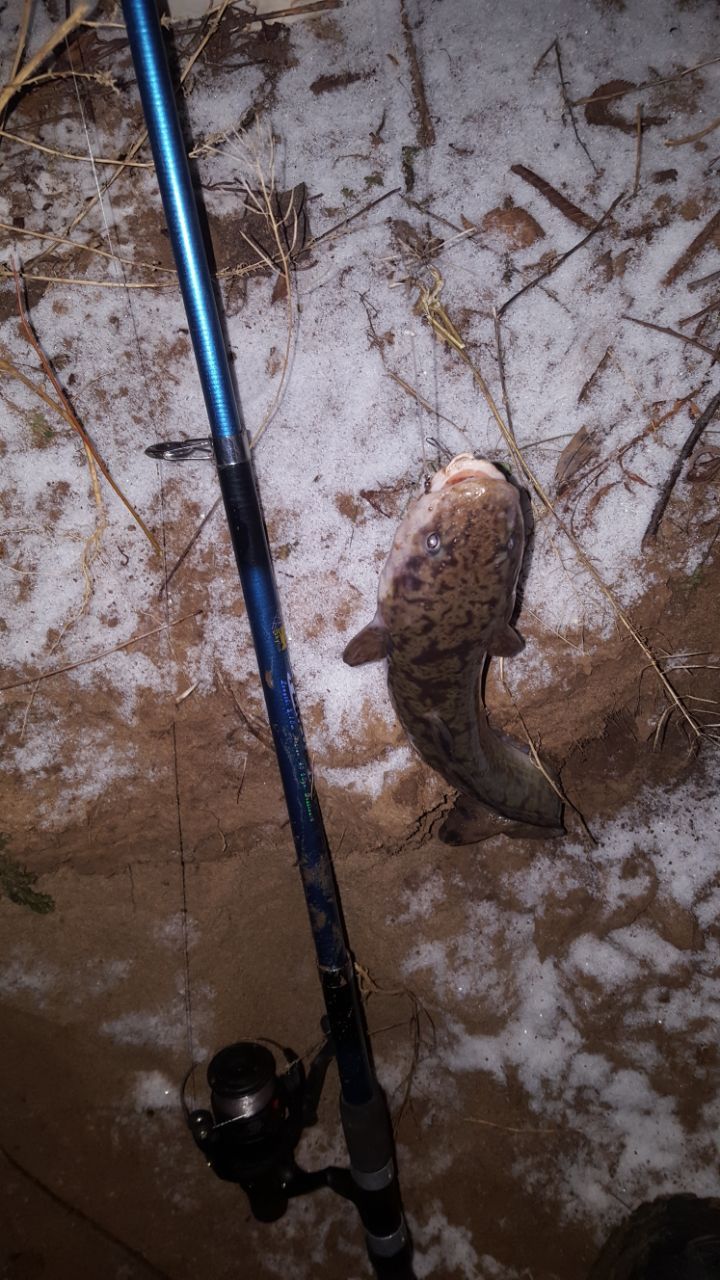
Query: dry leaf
point(279, 292)
point(515, 225)
point(576, 455)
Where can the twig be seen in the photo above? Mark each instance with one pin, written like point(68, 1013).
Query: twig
point(694, 137)
point(340, 226)
point(98, 657)
point(698, 315)
point(425, 126)
point(674, 333)
point(685, 259)
point(259, 731)
point(251, 19)
point(66, 410)
point(638, 146)
point(555, 198)
point(568, 104)
point(368, 988)
point(186, 551)
point(81, 280)
point(659, 508)
point(85, 248)
point(698, 284)
point(103, 78)
point(653, 426)
point(70, 155)
point(19, 78)
point(264, 204)
point(646, 84)
point(563, 257)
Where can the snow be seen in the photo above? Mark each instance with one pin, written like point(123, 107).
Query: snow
point(501, 1006)
point(342, 424)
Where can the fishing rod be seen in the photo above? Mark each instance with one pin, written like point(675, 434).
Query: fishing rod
point(256, 1114)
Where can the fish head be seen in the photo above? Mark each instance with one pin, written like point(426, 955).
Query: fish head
point(456, 556)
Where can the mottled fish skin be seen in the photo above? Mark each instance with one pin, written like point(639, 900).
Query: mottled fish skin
point(446, 596)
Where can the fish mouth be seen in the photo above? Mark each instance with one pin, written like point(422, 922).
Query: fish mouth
point(465, 466)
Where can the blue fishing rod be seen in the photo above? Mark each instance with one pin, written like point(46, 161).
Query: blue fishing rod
point(257, 1113)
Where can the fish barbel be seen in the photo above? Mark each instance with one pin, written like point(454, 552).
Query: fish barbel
point(445, 600)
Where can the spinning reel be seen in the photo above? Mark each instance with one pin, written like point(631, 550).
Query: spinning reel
point(256, 1119)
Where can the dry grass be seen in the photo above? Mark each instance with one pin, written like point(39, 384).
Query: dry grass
point(256, 151)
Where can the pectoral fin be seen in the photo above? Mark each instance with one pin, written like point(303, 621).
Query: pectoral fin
point(505, 642)
point(468, 822)
point(372, 644)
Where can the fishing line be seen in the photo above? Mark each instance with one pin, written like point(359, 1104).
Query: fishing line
point(118, 270)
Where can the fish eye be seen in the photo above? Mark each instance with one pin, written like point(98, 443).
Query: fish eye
point(432, 542)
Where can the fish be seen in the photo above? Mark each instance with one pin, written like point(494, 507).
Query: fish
point(446, 597)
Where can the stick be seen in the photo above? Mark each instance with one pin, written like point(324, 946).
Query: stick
point(673, 333)
point(339, 226)
point(97, 657)
point(555, 198)
point(659, 508)
point(425, 126)
point(698, 315)
point(563, 257)
point(424, 404)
